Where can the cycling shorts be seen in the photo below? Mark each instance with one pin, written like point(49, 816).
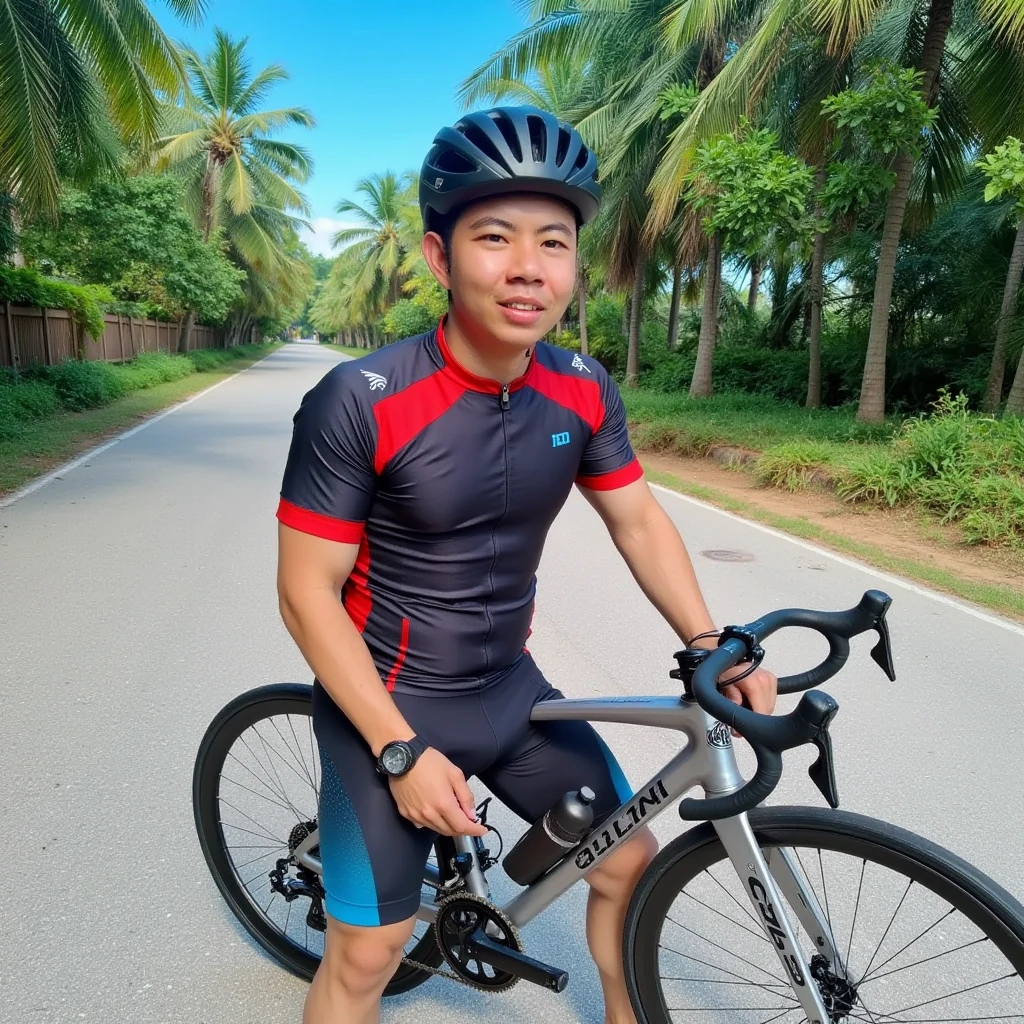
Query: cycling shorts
point(373, 858)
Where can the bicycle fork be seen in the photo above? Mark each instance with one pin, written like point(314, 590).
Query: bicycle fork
point(765, 887)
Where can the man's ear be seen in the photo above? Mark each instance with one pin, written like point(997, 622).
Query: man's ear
point(437, 259)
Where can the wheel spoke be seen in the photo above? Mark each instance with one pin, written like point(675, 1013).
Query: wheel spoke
point(885, 934)
point(926, 960)
point(931, 927)
point(724, 970)
point(746, 910)
point(960, 992)
point(856, 909)
point(725, 917)
point(728, 952)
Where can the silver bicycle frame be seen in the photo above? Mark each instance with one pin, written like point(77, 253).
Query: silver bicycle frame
point(707, 760)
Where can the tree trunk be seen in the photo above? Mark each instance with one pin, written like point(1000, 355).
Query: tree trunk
point(994, 387)
point(755, 282)
point(185, 334)
point(673, 309)
point(625, 316)
point(636, 306)
point(581, 292)
point(871, 408)
point(702, 386)
point(814, 334)
point(1015, 402)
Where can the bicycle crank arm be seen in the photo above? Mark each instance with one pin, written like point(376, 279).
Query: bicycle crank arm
point(481, 947)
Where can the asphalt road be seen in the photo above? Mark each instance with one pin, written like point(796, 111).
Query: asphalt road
point(137, 597)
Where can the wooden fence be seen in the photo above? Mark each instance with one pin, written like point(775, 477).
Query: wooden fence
point(29, 335)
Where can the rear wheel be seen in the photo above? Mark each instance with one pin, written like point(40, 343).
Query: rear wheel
point(922, 935)
point(255, 794)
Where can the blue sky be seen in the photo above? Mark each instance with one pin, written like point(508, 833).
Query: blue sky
point(380, 78)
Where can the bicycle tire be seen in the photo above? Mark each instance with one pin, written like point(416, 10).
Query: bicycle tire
point(231, 721)
point(990, 907)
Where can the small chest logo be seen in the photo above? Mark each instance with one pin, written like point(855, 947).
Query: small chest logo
point(377, 382)
point(578, 364)
point(557, 440)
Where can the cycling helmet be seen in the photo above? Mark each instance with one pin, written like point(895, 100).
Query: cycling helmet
point(507, 149)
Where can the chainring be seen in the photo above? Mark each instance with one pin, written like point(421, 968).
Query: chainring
point(457, 918)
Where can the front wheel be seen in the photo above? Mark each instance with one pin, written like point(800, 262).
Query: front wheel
point(923, 937)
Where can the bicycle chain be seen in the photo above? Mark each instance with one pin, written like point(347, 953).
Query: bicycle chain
point(440, 972)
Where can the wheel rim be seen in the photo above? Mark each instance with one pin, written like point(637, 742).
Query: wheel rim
point(910, 954)
point(267, 793)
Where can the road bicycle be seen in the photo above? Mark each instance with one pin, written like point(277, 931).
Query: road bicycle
point(773, 915)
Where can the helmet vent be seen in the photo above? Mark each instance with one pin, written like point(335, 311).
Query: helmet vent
point(581, 158)
point(454, 163)
point(484, 144)
point(508, 131)
point(563, 146)
point(538, 139)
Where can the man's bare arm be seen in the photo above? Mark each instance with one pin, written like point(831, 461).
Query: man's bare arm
point(310, 574)
point(650, 544)
point(652, 548)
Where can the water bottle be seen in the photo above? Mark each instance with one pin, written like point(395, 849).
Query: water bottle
point(548, 840)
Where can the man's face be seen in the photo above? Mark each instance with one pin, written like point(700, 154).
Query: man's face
point(508, 253)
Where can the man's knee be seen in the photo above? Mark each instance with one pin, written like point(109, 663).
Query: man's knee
point(621, 870)
point(363, 959)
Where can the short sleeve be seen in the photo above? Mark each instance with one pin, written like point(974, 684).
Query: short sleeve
point(329, 480)
point(608, 459)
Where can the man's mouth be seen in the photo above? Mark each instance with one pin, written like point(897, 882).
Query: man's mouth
point(529, 306)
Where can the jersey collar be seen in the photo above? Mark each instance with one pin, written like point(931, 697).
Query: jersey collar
point(469, 380)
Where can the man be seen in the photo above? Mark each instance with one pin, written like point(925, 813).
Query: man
point(421, 483)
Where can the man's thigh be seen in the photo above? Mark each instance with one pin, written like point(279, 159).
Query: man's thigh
point(540, 761)
point(373, 859)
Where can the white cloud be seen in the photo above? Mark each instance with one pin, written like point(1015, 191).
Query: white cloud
point(319, 239)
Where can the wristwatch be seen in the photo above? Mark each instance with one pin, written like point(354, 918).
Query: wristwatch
point(398, 756)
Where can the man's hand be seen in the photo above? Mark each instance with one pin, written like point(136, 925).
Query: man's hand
point(434, 795)
point(758, 691)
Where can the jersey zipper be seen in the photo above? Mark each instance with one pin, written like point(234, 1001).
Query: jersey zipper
point(504, 512)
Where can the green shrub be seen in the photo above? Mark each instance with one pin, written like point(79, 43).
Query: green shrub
point(86, 302)
point(82, 386)
point(794, 464)
point(152, 368)
point(21, 402)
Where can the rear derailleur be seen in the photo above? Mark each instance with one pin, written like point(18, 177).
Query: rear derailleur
point(305, 882)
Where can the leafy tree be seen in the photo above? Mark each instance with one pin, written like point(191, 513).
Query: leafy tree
point(746, 189)
point(133, 236)
point(1004, 169)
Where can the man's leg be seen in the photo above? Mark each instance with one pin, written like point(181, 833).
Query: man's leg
point(611, 887)
point(539, 761)
point(357, 965)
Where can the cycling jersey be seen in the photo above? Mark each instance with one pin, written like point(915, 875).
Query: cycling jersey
point(449, 483)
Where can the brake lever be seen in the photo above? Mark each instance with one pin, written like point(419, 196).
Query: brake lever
point(878, 603)
point(823, 771)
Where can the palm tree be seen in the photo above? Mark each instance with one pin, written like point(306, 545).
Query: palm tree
point(78, 80)
point(376, 253)
point(238, 178)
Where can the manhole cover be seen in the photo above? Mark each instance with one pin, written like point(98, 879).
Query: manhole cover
point(725, 555)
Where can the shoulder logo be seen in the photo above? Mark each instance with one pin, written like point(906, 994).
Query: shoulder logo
point(377, 381)
point(557, 440)
point(578, 364)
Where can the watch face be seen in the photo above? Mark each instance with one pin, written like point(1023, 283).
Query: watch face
point(395, 758)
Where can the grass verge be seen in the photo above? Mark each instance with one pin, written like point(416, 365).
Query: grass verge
point(355, 353)
point(1004, 600)
point(45, 443)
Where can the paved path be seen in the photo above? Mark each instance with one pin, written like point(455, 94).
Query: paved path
point(137, 597)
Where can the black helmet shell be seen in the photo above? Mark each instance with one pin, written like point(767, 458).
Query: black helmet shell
point(507, 149)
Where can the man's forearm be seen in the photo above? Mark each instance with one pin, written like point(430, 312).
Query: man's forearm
point(337, 654)
point(657, 557)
